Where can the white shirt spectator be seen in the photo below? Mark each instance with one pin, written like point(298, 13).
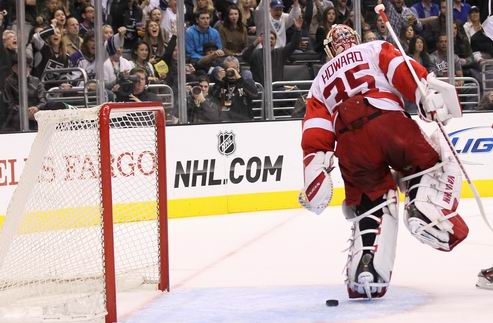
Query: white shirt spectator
point(278, 26)
point(111, 71)
point(168, 20)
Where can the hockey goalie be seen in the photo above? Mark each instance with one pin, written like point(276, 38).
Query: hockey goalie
point(356, 101)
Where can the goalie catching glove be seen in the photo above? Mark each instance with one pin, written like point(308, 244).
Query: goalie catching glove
point(317, 192)
point(440, 103)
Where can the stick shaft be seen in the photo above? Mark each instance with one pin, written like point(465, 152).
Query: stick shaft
point(422, 91)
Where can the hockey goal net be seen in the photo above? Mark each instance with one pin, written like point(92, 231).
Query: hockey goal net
point(89, 214)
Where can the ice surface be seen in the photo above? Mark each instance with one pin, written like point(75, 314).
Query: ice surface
point(281, 266)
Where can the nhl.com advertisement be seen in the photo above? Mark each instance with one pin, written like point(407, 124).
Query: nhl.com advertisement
point(240, 158)
point(251, 168)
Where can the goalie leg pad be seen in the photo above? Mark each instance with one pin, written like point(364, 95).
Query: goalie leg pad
point(371, 253)
point(432, 198)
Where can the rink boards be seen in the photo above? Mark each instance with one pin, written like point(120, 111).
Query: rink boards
point(245, 167)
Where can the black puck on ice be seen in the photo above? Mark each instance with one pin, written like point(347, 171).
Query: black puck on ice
point(332, 302)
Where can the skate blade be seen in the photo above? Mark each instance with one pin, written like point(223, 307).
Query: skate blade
point(367, 289)
point(484, 283)
point(365, 278)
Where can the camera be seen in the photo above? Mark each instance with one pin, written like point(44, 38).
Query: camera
point(196, 90)
point(230, 74)
point(126, 83)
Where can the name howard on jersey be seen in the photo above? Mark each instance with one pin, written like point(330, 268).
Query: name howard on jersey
point(341, 61)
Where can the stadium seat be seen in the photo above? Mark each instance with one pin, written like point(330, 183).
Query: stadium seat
point(297, 72)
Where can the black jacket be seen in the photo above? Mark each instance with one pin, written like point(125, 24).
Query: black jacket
point(234, 99)
point(254, 56)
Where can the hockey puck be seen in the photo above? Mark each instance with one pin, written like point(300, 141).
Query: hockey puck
point(332, 302)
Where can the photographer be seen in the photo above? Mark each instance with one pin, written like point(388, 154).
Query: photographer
point(200, 106)
point(233, 92)
point(132, 87)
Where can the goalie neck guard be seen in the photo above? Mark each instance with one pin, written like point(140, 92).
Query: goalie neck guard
point(338, 39)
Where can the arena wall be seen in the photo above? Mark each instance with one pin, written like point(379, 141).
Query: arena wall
point(229, 168)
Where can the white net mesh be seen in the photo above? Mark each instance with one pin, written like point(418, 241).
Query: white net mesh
point(51, 244)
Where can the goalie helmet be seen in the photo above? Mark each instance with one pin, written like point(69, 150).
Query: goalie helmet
point(339, 38)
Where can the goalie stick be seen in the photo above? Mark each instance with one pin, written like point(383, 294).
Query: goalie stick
point(380, 10)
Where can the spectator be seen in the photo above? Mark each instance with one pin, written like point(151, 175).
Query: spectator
point(168, 19)
point(247, 9)
point(60, 18)
point(426, 11)
point(328, 19)
point(197, 35)
point(85, 57)
point(147, 7)
point(154, 15)
point(462, 48)
point(77, 8)
point(71, 38)
point(400, 16)
point(232, 31)
point(170, 57)
point(254, 56)
point(141, 54)
point(132, 20)
point(46, 9)
point(473, 25)
point(318, 8)
point(418, 51)
point(107, 32)
point(486, 102)
point(138, 92)
point(212, 57)
point(350, 20)
point(381, 31)
point(207, 5)
point(406, 35)
point(115, 65)
point(8, 52)
point(439, 59)
point(279, 20)
point(35, 97)
point(482, 41)
point(201, 108)
point(222, 5)
point(87, 23)
point(485, 8)
point(51, 54)
point(435, 27)
point(234, 93)
point(156, 38)
point(461, 11)
point(342, 10)
point(369, 36)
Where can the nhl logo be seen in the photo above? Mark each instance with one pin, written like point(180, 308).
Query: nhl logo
point(226, 143)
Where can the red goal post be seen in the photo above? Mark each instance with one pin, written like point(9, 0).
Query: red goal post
point(107, 203)
point(89, 214)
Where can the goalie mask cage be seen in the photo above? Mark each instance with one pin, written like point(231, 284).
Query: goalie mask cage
point(89, 214)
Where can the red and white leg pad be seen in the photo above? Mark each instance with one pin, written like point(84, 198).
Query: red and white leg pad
point(432, 198)
point(369, 267)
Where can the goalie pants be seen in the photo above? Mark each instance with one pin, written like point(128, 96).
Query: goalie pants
point(383, 139)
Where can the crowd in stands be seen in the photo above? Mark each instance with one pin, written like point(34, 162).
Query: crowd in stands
point(224, 45)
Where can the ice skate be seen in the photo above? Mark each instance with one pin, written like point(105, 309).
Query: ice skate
point(372, 250)
point(485, 279)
